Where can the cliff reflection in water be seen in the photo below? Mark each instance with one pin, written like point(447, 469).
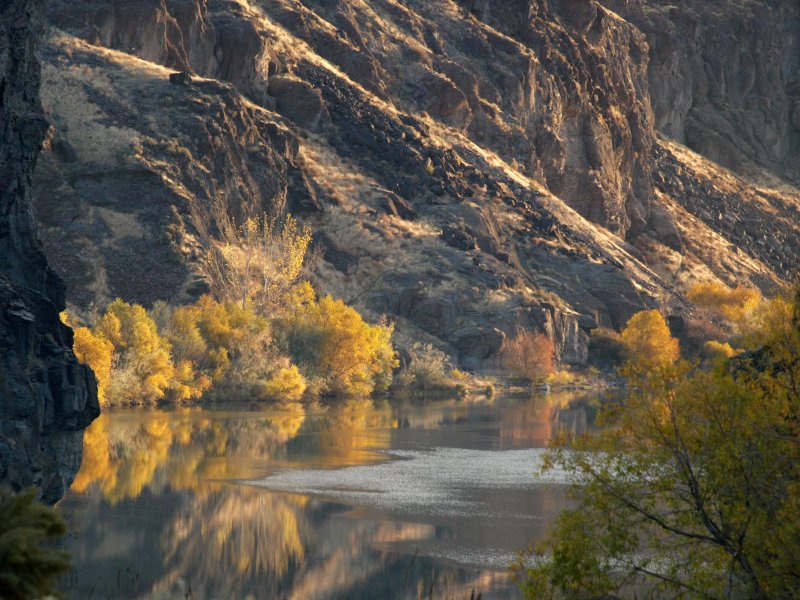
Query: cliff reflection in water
point(156, 510)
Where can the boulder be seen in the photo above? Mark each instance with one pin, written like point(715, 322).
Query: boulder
point(476, 343)
point(459, 237)
point(180, 78)
point(299, 102)
point(64, 151)
point(396, 206)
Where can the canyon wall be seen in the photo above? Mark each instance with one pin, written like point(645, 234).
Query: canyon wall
point(46, 397)
point(724, 78)
point(468, 167)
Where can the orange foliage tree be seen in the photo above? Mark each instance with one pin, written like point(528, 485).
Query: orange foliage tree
point(528, 354)
point(97, 352)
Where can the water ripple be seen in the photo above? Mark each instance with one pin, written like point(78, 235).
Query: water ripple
point(438, 482)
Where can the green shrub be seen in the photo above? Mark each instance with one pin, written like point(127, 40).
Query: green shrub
point(605, 348)
point(28, 569)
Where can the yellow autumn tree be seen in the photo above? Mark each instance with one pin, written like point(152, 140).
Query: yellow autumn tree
point(727, 303)
point(691, 488)
point(333, 344)
point(769, 319)
point(96, 352)
point(751, 318)
point(286, 384)
point(187, 382)
point(143, 369)
point(262, 264)
point(648, 341)
point(240, 342)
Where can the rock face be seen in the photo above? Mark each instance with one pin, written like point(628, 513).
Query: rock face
point(724, 78)
point(468, 167)
point(46, 397)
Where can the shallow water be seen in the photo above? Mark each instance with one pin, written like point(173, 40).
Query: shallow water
point(393, 499)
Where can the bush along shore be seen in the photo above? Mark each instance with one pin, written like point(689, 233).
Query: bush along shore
point(265, 334)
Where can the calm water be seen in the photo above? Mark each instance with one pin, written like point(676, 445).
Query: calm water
point(392, 499)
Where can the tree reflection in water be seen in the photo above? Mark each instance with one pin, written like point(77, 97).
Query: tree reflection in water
point(157, 511)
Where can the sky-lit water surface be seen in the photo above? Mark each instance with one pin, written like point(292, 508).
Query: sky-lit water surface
point(359, 500)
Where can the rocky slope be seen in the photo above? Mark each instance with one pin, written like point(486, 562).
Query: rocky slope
point(467, 167)
point(46, 397)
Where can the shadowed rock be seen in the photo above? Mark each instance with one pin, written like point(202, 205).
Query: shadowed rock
point(46, 397)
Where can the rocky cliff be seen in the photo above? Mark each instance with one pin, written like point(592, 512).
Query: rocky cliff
point(46, 397)
point(468, 167)
point(724, 78)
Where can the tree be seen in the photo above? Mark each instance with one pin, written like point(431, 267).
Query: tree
point(648, 340)
point(97, 352)
point(143, 368)
point(692, 488)
point(728, 303)
point(528, 354)
point(262, 264)
point(332, 343)
point(286, 384)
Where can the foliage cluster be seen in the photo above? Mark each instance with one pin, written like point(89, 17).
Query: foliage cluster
point(337, 350)
point(28, 567)
point(744, 312)
point(648, 341)
point(690, 489)
point(180, 353)
point(429, 370)
point(730, 304)
point(268, 337)
point(528, 355)
point(263, 264)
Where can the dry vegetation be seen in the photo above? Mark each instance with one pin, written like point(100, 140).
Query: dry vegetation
point(529, 355)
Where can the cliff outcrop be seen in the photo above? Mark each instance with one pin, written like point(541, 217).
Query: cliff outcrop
point(724, 78)
point(46, 397)
point(468, 167)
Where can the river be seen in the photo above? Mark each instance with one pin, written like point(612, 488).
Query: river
point(362, 499)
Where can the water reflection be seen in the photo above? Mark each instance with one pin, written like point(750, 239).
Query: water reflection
point(157, 510)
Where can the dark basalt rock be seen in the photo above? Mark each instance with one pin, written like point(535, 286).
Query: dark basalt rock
point(462, 238)
point(298, 101)
point(47, 397)
point(180, 78)
point(64, 151)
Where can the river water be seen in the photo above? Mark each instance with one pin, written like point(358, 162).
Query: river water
point(363, 499)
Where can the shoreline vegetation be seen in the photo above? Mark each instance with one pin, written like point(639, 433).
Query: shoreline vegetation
point(264, 334)
point(689, 486)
